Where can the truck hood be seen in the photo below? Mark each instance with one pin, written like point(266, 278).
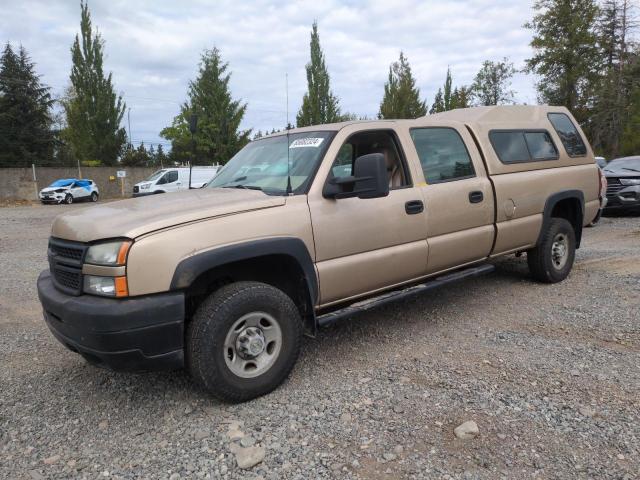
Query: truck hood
point(134, 217)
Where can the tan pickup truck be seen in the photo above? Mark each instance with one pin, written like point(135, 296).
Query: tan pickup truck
point(303, 228)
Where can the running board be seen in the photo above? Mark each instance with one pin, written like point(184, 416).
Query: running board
point(370, 303)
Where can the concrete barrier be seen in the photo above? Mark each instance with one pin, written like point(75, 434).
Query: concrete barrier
point(18, 184)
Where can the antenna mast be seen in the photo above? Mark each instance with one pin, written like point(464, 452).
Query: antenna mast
point(286, 81)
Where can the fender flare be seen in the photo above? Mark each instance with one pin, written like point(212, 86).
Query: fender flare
point(192, 267)
point(552, 201)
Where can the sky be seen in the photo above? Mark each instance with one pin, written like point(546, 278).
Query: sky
point(153, 49)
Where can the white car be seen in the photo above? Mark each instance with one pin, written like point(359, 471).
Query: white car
point(174, 179)
point(69, 190)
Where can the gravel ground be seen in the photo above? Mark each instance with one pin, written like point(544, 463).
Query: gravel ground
point(550, 374)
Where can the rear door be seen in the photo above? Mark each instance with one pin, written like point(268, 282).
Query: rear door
point(457, 193)
point(80, 190)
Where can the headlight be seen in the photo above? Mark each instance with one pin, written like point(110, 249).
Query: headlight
point(106, 286)
point(108, 253)
point(145, 186)
point(630, 181)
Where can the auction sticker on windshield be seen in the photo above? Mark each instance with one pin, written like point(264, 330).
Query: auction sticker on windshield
point(306, 142)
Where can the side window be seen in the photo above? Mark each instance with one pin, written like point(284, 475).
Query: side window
point(343, 165)
point(443, 154)
point(541, 146)
point(568, 134)
point(171, 176)
point(521, 146)
point(364, 143)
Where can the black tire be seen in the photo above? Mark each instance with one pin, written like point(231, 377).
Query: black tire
point(543, 263)
point(94, 197)
point(68, 199)
point(212, 323)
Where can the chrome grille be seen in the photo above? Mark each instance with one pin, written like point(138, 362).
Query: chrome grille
point(613, 186)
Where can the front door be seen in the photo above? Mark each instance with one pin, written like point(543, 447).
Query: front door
point(458, 197)
point(364, 245)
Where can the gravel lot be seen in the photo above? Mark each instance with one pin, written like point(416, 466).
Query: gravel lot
point(550, 374)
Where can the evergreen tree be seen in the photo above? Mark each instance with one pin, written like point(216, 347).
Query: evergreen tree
point(401, 96)
point(612, 108)
point(461, 97)
point(566, 56)
point(25, 112)
point(218, 136)
point(492, 83)
point(161, 158)
point(438, 103)
point(447, 90)
point(93, 110)
point(136, 157)
point(319, 104)
point(448, 98)
point(257, 135)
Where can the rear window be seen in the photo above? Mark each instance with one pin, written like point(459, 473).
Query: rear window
point(568, 134)
point(521, 146)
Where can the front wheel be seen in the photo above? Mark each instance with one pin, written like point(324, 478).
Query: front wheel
point(68, 199)
point(552, 260)
point(243, 341)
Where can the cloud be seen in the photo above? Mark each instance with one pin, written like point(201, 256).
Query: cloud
point(153, 48)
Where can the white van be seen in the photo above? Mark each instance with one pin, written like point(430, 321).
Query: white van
point(173, 179)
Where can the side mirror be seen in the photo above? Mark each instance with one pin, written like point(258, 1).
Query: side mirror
point(369, 180)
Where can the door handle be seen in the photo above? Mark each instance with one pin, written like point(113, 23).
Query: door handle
point(413, 207)
point(476, 197)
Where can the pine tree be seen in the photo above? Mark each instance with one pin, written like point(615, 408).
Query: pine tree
point(25, 112)
point(93, 110)
point(161, 158)
point(447, 90)
point(319, 104)
point(218, 136)
point(401, 96)
point(618, 80)
point(438, 103)
point(448, 97)
point(566, 56)
point(492, 83)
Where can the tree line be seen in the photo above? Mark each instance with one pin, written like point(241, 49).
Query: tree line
point(583, 54)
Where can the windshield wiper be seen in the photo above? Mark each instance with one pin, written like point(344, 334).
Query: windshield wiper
point(631, 169)
point(248, 187)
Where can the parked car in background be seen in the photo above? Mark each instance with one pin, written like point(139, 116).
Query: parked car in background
point(69, 190)
point(174, 179)
point(623, 184)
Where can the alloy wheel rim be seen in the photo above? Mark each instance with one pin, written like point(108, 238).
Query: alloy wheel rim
point(252, 344)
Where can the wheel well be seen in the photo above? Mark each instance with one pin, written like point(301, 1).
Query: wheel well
point(571, 210)
point(280, 271)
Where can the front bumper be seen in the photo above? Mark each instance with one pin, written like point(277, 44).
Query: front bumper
point(143, 333)
point(627, 197)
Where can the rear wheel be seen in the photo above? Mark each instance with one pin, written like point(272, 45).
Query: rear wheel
point(552, 260)
point(94, 197)
point(68, 199)
point(243, 341)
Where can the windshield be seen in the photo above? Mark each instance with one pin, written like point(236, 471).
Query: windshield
point(62, 183)
point(155, 176)
point(262, 164)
